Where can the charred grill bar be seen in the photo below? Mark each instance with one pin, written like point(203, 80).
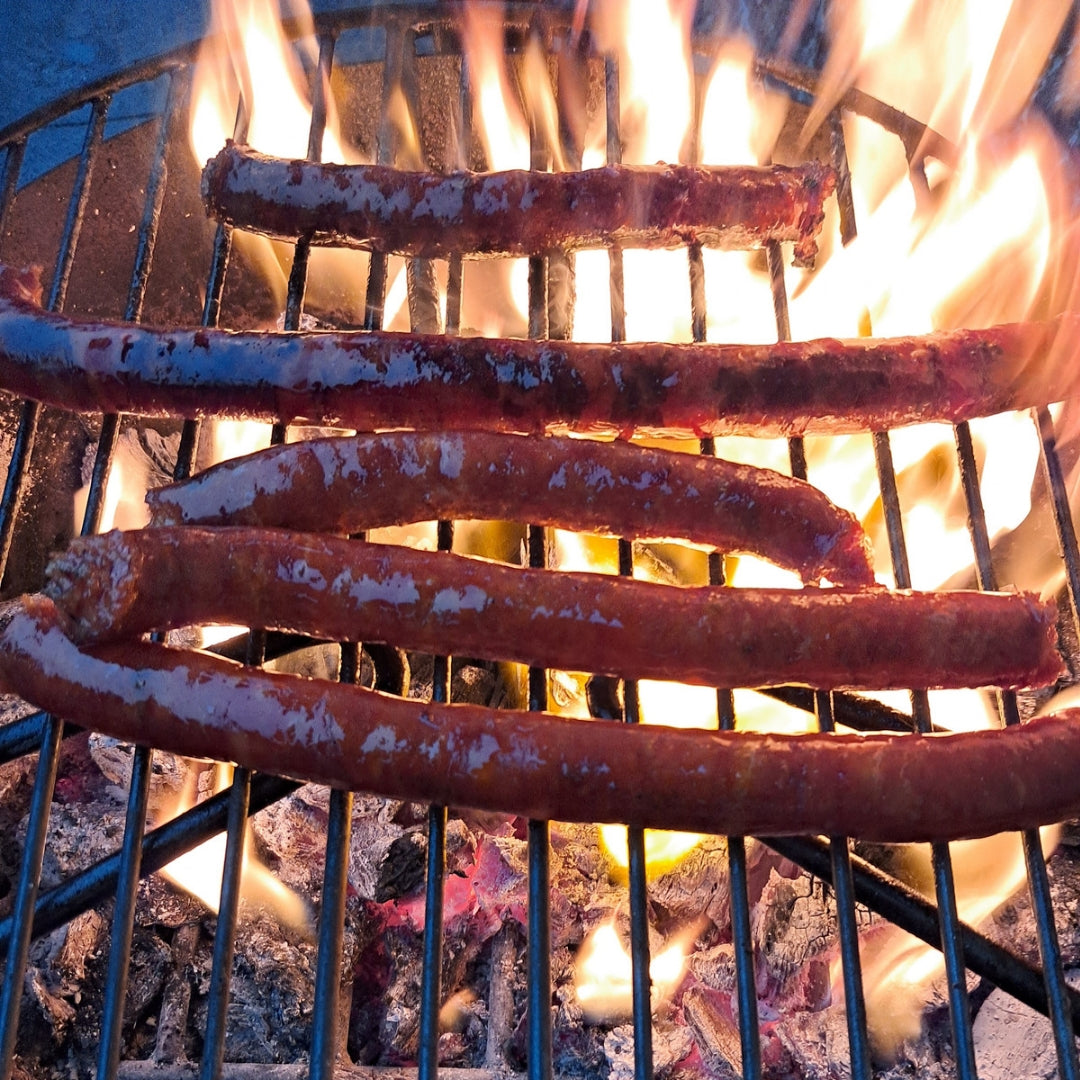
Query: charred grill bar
point(35, 913)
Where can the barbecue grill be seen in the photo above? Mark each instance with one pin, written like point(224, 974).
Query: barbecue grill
point(403, 33)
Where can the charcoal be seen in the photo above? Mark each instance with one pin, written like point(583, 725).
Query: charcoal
point(150, 964)
point(506, 949)
point(794, 921)
point(402, 870)
point(817, 1043)
point(714, 967)
point(78, 837)
point(170, 1043)
point(162, 904)
point(167, 772)
point(270, 998)
point(697, 886)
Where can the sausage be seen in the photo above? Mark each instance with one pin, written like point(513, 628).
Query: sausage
point(376, 380)
point(888, 788)
point(126, 583)
point(518, 212)
point(347, 484)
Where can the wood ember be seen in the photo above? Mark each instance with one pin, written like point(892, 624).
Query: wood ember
point(794, 921)
point(716, 1033)
point(270, 1001)
point(176, 997)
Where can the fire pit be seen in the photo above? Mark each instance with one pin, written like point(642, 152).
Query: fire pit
point(513, 885)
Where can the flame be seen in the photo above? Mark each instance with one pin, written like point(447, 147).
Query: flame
point(123, 504)
point(604, 972)
point(200, 871)
point(656, 84)
point(897, 968)
point(247, 59)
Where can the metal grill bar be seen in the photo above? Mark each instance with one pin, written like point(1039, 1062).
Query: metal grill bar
point(847, 921)
point(240, 791)
point(1059, 498)
point(453, 302)
point(907, 909)
point(139, 787)
point(738, 885)
point(1038, 882)
point(239, 808)
point(641, 983)
point(13, 159)
point(944, 886)
point(97, 885)
point(435, 877)
point(49, 752)
point(538, 917)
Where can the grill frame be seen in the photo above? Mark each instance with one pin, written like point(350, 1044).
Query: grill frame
point(853, 880)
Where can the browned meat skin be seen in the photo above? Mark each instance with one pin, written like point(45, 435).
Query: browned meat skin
point(372, 381)
point(876, 787)
point(124, 584)
point(24, 284)
point(348, 484)
point(518, 212)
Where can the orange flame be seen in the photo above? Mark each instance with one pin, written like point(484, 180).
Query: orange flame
point(247, 59)
point(604, 972)
point(200, 870)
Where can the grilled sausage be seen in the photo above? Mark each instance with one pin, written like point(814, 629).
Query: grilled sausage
point(878, 787)
point(380, 380)
point(518, 212)
point(346, 484)
point(124, 584)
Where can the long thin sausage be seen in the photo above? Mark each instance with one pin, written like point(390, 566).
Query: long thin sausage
point(373, 380)
point(123, 584)
point(518, 212)
point(346, 484)
point(877, 787)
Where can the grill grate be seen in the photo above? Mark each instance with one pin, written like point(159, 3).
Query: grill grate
point(853, 880)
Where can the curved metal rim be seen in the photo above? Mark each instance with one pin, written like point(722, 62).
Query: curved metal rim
point(144, 71)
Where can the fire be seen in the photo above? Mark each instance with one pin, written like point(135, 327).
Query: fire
point(200, 870)
point(897, 968)
point(604, 972)
point(248, 64)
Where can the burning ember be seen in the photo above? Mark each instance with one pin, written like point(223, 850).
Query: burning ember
point(739, 959)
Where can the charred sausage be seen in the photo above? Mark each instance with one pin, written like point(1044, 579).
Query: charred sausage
point(374, 380)
point(124, 584)
point(518, 212)
point(347, 484)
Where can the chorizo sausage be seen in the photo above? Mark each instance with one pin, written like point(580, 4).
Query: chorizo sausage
point(126, 583)
point(377, 380)
point(518, 212)
point(348, 484)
